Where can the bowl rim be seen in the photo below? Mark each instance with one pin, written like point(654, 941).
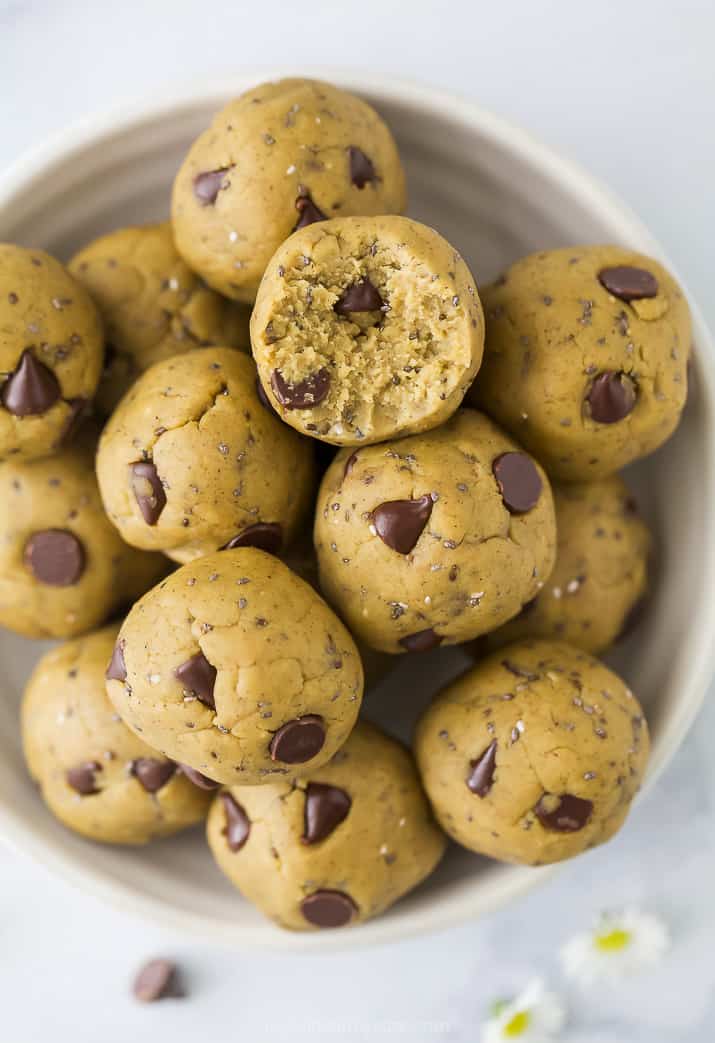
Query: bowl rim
point(502, 883)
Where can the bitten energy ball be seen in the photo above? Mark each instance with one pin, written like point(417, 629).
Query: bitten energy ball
point(95, 775)
point(63, 567)
point(365, 329)
point(601, 574)
point(279, 157)
point(235, 666)
point(335, 848)
point(534, 755)
point(50, 352)
point(192, 460)
point(434, 539)
point(152, 304)
point(585, 359)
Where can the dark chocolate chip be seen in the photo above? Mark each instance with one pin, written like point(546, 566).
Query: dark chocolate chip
point(298, 741)
point(362, 169)
point(208, 185)
point(325, 808)
point(152, 773)
point(518, 480)
point(481, 771)
point(267, 536)
point(568, 816)
point(519, 671)
point(198, 677)
point(349, 464)
point(400, 523)
point(306, 394)
point(55, 557)
point(361, 296)
point(628, 283)
point(148, 490)
point(238, 824)
point(82, 778)
point(157, 980)
point(31, 389)
point(117, 669)
point(328, 908)
point(308, 212)
point(611, 397)
point(263, 397)
point(422, 641)
point(198, 778)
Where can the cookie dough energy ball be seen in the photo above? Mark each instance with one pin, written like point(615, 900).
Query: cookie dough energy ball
point(335, 848)
point(585, 359)
point(235, 666)
point(366, 328)
point(534, 755)
point(152, 304)
point(434, 539)
point(192, 460)
point(51, 346)
point(279, 157)
point(95, 775)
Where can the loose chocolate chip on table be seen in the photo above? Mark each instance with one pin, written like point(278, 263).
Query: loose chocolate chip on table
point(308, 212)
point(306, 394)
point(208, 185)
point(267, 536)
point(518, 480)
point(611, 397)
point(31, 389)
point(198, 676)
point(198, 778)
point(148, 490)
point(152, 773)
point(238, 824)
point(328, 908)
point(297, 741)
point(400, 523)
point(422, 641)
point(628, 283)
point(564, 813)
point(55, 557)
point(157, 980)
point(325, 808)
point(263, 397)
point(82, 777)
point(361, 296)
point(362, 169)
point(481, 771)
point(117, 669)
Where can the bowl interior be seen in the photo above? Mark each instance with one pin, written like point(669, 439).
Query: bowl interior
point(496, 196)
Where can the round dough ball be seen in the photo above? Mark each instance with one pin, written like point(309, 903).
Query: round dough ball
point(434, 539)
point(51, 345)
point(63, 567)
point(95, 775)
point(337, 847)
point(275, 159)
point(192, 460)
point(601, 574)
point(152, 304)
point(585, 358)
point(366, 328)
point(234, 666)
point(534, 755)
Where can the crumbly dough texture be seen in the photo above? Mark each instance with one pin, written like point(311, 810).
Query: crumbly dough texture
point(351, 376)
point(534, 755)
point(71, 732)
point(473, 563)
point(51, 346)
point(219, 460)
point(386, 844)
point(279, 155)
point(555, 332)
point(152, 304)
point(601, 574)
point(279, 652)
point(63, 567)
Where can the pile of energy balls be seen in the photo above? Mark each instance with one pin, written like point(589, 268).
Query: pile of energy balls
point(171, 404)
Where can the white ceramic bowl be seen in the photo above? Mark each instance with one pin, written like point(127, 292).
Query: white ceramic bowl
point(496, 194)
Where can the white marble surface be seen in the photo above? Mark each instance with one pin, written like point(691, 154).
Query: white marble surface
point(629, 90)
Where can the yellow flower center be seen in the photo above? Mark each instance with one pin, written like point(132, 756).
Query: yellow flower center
point(517, 1025)
point(613, 941)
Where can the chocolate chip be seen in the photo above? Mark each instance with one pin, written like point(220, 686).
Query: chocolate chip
point(152, 773)
point(298, 741)
point(306, 394)
point(611, 397)
point(81, 778)
point(55, 557)
point(519, 671)
point(263, 397)
point(325, 808)
point(481, 771)
point(362, 169)
point(157, 980)
point(563, 814)
point(267, 536)
point(328, 908)
point(361, 296)
point(148, 490)
point(238, 824)
point(117, 669)
point(400, 523)
point(349, 464)
point(198, 677)
point(518, 480)
point(198, 778)
point(628, 283)
point(422, 641)
point(31, 389)
point(208, 185)
point(308, 212)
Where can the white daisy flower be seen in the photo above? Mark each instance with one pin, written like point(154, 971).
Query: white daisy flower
point(618, 944)
point(534, 1016)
